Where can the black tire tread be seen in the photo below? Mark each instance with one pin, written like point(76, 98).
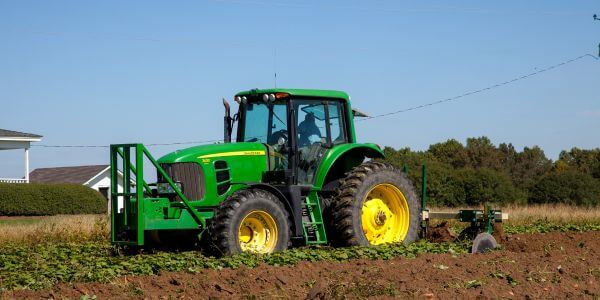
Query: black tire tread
point(218, 227)
point(342, 207)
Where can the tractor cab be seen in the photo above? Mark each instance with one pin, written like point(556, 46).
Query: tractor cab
point(297, 129)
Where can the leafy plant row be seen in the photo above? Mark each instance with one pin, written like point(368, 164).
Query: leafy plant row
point(545, 227)
point(40, 266)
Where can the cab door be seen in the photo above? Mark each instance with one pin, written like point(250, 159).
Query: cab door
point(318, 126)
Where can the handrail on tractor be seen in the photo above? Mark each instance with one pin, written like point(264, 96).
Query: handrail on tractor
point(141, 187)
point(133, 169)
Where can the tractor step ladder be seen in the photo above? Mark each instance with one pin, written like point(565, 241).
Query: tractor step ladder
point(312, 221)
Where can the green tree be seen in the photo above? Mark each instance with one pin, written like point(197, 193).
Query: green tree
point(451, 152)
point(569, 187)
point(444, 186)
point(508, 156)
point(486, 185)
point(585, 161)
point(529, 165)
point(483, 154)
point(481, 172)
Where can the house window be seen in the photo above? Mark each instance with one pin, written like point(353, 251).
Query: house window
point(104, 192)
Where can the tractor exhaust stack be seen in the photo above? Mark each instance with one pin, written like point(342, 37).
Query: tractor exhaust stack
point(227, 122)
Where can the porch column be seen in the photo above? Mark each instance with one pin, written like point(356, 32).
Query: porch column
point(27, 165)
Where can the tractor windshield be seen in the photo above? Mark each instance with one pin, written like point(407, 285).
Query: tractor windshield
point(265, 123)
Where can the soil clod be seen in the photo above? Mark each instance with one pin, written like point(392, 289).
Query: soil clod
point(440, 233)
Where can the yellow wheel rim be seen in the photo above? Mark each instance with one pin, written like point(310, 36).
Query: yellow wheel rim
point(258, 232)
point(385, 215)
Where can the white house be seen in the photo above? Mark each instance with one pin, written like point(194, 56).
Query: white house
point(11, 140)
point(96, 177)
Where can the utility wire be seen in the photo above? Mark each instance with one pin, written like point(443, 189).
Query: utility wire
point(491, 87)
point(483, 89)
point(371, 8)
point(106, 146)
point(185, 143)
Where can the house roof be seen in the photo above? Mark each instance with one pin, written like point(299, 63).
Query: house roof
point(77, 175)
point(16, 136)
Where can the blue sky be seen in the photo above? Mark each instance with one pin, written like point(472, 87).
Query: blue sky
point(96, 73)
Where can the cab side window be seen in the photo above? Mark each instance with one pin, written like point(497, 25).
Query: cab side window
point(311, 124)
point(336, 123)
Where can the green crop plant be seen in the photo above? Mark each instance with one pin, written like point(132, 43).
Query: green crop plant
point(42, 265)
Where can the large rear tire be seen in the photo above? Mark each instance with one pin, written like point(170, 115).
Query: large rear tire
point(250, 220)
point(375, 204)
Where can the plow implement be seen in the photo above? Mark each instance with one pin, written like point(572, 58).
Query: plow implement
point(481, 221)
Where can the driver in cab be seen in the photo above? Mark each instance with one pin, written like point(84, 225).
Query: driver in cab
point(308, 132)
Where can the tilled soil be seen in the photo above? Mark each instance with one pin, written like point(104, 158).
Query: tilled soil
point(531, 266)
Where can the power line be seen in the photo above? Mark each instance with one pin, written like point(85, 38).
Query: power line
point(70, 146)
point(491, 87)
point(382, 9)
point(106, 146)
point(185, 143)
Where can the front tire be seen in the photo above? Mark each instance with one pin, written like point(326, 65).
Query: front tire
point(375, 204)
point(250, 220)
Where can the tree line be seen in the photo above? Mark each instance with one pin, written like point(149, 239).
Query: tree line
point(480, 171)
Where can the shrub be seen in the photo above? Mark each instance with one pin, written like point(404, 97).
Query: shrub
point(49, 199)
point(569, 187)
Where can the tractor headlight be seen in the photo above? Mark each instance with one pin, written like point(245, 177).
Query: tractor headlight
point(166, 188)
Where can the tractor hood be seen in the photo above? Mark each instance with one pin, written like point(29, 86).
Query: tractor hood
point(207, 153)
point(212, 172)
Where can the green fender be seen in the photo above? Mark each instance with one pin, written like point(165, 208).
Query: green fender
point(341, 159)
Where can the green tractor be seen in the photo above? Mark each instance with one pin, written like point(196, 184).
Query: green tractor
point(295, 175)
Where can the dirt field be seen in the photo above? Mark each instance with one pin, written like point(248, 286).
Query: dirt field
point(554, 265)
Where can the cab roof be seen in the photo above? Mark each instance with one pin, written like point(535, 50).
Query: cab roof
point(298, 92)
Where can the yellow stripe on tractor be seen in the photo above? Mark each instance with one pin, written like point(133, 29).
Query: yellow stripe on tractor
point(233, 153)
